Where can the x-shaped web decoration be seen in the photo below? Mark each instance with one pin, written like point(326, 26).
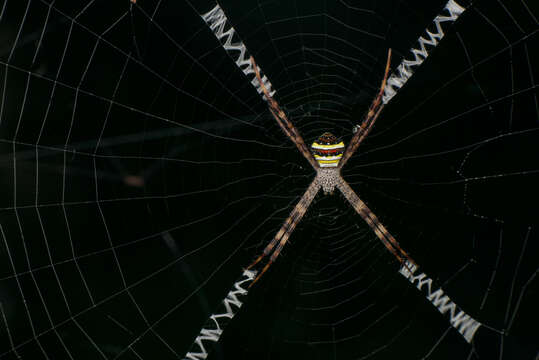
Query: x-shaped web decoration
point(329, 158)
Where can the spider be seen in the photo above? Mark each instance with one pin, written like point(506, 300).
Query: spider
point(328, 155)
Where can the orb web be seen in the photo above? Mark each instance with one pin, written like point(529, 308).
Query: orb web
point(142, 172)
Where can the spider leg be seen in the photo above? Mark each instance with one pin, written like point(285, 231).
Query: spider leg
point(276, 253)
point(287, 228)
point(378, 98)
point(218, 23)
point(368, 216)
point(372, 115)
point(286, 125)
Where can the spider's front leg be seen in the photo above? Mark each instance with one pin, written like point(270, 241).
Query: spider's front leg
point(280, 239)
point(372, 220)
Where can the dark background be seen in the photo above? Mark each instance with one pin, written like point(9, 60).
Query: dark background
point(141, 171)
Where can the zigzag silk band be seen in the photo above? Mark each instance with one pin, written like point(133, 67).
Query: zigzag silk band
point(221, 28)
point(212, 330)
point(406, 68)
point(462, 322)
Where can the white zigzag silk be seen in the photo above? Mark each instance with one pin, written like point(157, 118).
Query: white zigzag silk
point(406, 68)
point(218, 23)
point(464, 323)
point(232, 304)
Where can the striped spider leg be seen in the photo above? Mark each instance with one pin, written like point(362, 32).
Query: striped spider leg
point(286, 125)
point(276, 245)
point(466, 325)
point(368, 216)
point(218, 22)
point(362, 130)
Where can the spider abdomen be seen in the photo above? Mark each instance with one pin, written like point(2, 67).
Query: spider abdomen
point(328, 150)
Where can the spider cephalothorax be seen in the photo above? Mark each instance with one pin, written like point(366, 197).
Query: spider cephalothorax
point(328, 179)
